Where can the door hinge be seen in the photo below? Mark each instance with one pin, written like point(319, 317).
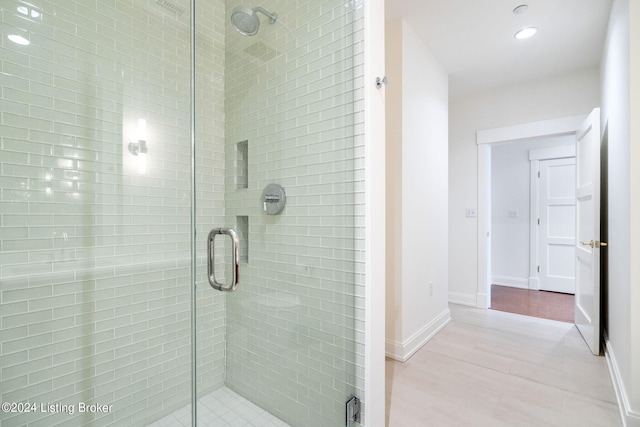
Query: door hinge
point(538, 221)
point(538, 269)
point(538, 174)
point(352, 411)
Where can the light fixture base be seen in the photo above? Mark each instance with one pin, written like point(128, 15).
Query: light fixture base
point(519, 10)
point(138, 147)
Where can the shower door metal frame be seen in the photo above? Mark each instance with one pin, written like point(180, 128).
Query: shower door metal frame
point(194, 295)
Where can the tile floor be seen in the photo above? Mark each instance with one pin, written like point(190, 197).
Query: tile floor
point(222, 408)
point(491, 368)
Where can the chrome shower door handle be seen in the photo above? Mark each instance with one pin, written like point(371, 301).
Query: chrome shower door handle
point(235, 256)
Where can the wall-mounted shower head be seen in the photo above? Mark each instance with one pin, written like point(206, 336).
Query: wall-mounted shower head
point(245, 20)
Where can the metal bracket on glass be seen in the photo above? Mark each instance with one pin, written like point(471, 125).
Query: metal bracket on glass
point(352, 411)
point(235, 256)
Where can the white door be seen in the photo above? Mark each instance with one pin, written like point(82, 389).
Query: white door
point(557, 226)
point(588, 231)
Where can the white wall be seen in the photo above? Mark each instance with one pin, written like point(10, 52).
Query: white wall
point(371, 33)
point(634, 158)
point(559, 96)
point(510, 190)
point(417, 99)
point(620, 100)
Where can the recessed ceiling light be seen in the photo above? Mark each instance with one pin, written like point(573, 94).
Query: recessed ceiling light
point(519, 10)
point(525, 33)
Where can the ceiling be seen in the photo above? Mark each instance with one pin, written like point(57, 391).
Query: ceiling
point(474, 39)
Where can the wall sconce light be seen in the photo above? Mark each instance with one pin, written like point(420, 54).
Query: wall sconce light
point(139, 147)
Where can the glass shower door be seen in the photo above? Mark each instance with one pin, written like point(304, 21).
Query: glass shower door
point(100, 187)
point(284, 101)
point(95, 260)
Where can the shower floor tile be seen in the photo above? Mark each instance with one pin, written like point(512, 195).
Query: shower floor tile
point(222, 408)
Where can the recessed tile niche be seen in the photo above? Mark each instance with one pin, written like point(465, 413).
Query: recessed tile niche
point(242, 228)
point(242, 165)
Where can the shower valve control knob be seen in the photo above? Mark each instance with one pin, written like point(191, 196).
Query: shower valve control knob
point(381, 81)
point(273, 199)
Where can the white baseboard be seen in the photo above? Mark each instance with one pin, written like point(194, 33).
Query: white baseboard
point(462, 299)
point(513, 282)
point(403, 351)
point(629, 417)
point(534, 283)
point(482, 300)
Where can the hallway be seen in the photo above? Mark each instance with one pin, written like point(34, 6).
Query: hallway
point(491, 368)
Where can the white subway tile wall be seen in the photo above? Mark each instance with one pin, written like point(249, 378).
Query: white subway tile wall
point(290, 93)
point(95, 256)
point(95, 241)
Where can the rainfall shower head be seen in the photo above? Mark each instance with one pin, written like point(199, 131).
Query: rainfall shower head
point(245, 20)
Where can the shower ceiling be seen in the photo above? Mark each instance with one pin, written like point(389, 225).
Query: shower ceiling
point(474, 39)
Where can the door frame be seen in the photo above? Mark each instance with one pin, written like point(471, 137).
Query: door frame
point(535, 157)
point(484, 139)
point(374, 227)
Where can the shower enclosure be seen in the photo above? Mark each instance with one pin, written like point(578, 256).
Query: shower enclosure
point(129, 130)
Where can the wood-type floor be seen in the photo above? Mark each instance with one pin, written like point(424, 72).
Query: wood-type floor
point(496, 369)
point(547, 305)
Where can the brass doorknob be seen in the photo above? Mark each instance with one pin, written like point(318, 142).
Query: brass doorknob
point(594, 244)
